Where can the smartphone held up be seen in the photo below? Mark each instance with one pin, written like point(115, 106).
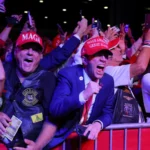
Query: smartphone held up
point(30, 20)
point(147, 21)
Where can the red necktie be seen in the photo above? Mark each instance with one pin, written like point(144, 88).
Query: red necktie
point(86, 108)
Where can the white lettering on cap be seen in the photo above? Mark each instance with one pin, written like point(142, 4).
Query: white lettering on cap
point(91, 41)
point(95, 41)
point(31, 36)
point(94, 45)
point(98, 44)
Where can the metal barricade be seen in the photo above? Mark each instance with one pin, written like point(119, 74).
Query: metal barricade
point(135, 130)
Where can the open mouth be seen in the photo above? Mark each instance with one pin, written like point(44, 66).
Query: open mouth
point(28, 60)
point(100, 67)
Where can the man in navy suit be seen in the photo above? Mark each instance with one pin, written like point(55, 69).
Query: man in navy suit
point(76, 85)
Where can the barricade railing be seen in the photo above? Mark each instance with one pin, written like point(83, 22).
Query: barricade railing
point(132, 136)
point(125, 127)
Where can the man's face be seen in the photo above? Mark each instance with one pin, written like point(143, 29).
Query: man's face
point(28, 58)
point(96, 64)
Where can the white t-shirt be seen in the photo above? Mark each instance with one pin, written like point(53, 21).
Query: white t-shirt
point(120, 74)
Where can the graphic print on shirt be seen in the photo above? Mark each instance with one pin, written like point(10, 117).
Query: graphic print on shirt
point(30, 97)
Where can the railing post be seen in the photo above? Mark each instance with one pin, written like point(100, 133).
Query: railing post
point(125, 139)
point(139, 138)
point(64, 145)
point(95, 144)
point(110, 139)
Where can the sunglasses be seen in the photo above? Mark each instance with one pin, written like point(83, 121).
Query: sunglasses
point(105, 54)
point(36, 47)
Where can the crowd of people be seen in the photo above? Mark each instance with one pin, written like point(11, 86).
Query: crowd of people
point(56, 87)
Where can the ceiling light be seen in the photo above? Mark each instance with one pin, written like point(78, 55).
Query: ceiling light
point(46, 17)
point(64, 9)
point(148, 8)
point(25, 12)
point(65, 22)
point(90, 0)
point(41, 1)
point(108, 25)
point(105, 7)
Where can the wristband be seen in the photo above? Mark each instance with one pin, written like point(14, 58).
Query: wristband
point(11, 21)
point(148, 46)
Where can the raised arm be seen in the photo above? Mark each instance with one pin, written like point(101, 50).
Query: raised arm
point(10, 23)
point(59, 55)
point(143, 60)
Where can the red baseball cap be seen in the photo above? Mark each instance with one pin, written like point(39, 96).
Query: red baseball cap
point(29, 37)
point(95, 45)
point(113, 43)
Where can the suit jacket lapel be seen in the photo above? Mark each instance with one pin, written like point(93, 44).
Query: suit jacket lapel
point(80, 78)
point(80, 82)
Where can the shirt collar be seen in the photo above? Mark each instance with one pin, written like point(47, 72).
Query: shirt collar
point(86, 78)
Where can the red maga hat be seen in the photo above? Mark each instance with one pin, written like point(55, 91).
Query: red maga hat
point(29, 37)
point(95, 45)
point(113, 43)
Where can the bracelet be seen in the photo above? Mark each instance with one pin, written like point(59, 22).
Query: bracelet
point(146, 42)
point(148, 46)
point(11, 21)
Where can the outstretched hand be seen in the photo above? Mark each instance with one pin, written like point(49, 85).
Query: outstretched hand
point(111, 33)
point(26, 26)
point(81, 27)
point(31, 145)
point(92, 130)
